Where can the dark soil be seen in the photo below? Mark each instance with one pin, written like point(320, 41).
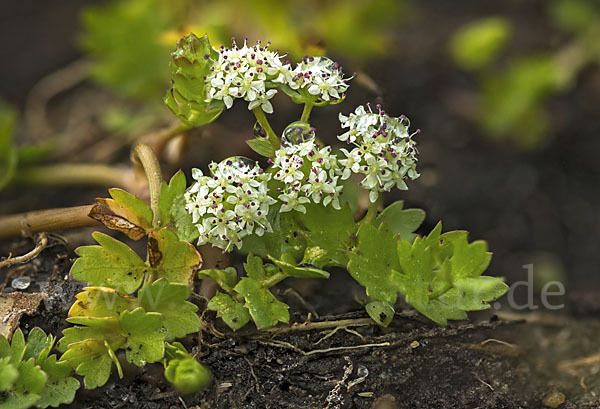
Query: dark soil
point(487, 363)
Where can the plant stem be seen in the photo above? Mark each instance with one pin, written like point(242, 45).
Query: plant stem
point(371, 211)
point(76, 174)
point(275, 279)
point(144, 154)
point(160, 139)
point(264, 122)
point(306, 112)
point(45, 220)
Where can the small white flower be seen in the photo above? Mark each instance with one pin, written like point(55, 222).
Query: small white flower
point(242, 73)
point(385, 153)
point(292, 201)
point(262, 100)
point(229, 205)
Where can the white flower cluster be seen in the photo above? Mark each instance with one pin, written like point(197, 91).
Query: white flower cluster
point(321, 76)
point(307, 170)
point(384, 152)
point(243, 73)
point(231, 204)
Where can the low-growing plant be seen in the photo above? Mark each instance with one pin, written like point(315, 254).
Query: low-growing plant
point(288, 219)
point(30, 376)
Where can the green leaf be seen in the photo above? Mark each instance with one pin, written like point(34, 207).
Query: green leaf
point(91, 359)
point(75, 335)
point(233, 313)
point(169, 299)
point(31, 378)
point(262, 146)
point(168, 194)
point(61, 387)
point(38, 344)
point(373, 261)
point(441, 275)
point(187, 375)
point(112, 264)
point(121, 37)
point(472, 294)
point(478, 43)
point(266, 310)
point(468, 260)
point(254, 268)
point(416, 262)
point(25, 392)
point(403, 222)
point(17, 346)
point(132, 208)
point(171, 258)
point(286, 238)
point(8, 374)
point(331, 230)
point(145, 343)
point(226, 278)
point(4, 347)
point(186, 230)
point(381, 312)
point(19, 400)
point(191, 61)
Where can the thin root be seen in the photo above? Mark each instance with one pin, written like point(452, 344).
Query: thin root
point(42, 243)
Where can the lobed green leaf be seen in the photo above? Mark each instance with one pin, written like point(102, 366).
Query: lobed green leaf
point(112, 264)
point(266, 310)
point(233, 313)
point(169, 300)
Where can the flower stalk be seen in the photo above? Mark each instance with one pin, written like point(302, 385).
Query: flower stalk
point(145, 156)
point(306, 112)
point(264, 122)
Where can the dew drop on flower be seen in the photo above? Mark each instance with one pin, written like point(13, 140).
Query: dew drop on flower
point(259, 131)
point(238, 164)
point(319, 63)
point(297, 133)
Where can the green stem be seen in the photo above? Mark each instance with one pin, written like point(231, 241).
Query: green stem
point(264, 122)
point(275, 279)
point(144, 154)
point(371, 211)
point(306, 112)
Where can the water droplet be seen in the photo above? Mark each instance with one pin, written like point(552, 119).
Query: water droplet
point(20, 283)
point(236, 168)
point(259, 131)
point(296, 133)
point(317, 64)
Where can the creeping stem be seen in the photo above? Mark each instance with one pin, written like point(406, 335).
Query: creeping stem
point(306, 112)
point(76, 174)
point(45, 220)
point(144, 154)
point(264, 122)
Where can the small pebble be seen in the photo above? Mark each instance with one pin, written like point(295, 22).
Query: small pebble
point(415, 344)
point(20, 283)
point(554, 399)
